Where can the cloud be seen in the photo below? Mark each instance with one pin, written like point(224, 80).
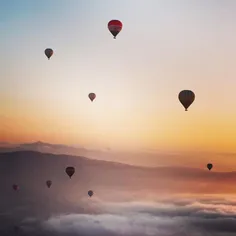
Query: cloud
point(169, 216)
point(112, 224)
point(195, 217)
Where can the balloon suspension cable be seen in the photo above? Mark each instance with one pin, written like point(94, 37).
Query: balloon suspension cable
point(114, 37)
point(186, 109)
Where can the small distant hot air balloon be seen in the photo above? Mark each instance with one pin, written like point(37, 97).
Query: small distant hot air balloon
point(90, 193)
point(49, 183)
point(15, 187)
point(70, 171)
point(186, 97)
point(209, 166)
point(115, 26)
point(48, 52)
point(92, 96)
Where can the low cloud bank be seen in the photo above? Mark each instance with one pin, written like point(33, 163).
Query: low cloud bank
point(176, 216)
point(181, 217)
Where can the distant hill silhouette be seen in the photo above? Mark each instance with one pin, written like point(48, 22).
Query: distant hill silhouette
point(31, 169)
point(141, 158)
point(43, 147)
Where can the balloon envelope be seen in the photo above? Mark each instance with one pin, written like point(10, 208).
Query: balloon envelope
point(48, 52)
point(92, 96)
point(90, 193)
point(49, 183)
point(186, 97)
point(115, 26)
point(209, 166)
point(70, 171)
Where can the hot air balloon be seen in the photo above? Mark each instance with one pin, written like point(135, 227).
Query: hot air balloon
point(48, 52)
point(92, 96)
point(90, 193)
point(70, 171)
point(15, 187)
point(209, 166)
point(115, 26)
point(49, 183)
point(186, 97)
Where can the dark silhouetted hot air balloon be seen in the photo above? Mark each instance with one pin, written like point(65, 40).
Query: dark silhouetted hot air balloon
point(90, 193)
point(49, 183)
point(92, 96)
point(48, 52)
point(15, 187)
point(186, 97)
point(115, 26)
point(209, 166)
point(70, 171)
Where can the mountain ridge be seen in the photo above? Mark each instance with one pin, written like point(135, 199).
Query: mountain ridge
point(109, 180)
point(104, 161)
point(26, 152)
point(44, 147)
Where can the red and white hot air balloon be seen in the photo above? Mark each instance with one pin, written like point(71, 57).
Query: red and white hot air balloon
point(115, 26)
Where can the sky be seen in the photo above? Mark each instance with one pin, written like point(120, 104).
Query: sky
point(163, 48)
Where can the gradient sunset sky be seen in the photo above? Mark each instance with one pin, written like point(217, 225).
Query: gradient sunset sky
point(164, 47)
